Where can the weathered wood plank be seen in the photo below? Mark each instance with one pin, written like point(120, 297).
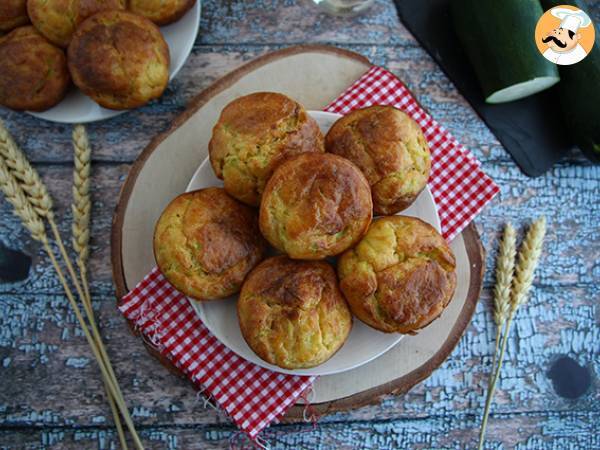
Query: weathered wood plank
point(553, 431)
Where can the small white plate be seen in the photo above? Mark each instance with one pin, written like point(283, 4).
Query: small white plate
point(364, 343)
point(78, 108)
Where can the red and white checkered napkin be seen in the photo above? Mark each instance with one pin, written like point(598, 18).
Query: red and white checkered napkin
point(252, 396)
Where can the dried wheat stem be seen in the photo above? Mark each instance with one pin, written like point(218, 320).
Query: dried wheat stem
point(505, 265)
point(505, 268)
point(528, 258)
point(111, 385)
point(81, 209)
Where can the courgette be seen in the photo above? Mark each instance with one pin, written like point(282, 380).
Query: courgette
point(498, 38)
point(579, 92)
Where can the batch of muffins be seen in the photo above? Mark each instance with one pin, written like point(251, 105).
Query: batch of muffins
point(112, 50)
point(313, 199)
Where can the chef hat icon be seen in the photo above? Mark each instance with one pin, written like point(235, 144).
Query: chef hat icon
point(570, 19)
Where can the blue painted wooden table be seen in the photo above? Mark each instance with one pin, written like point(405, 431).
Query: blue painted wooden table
point(548, 397)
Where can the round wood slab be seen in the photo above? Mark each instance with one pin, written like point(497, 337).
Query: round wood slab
point(314, 75)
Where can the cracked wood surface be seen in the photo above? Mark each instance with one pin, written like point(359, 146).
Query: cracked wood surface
point(51, 395)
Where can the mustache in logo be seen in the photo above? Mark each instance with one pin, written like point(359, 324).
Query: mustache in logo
point(555, 40)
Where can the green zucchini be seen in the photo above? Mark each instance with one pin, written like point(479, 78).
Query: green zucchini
point(498, 38)
point(579, 92)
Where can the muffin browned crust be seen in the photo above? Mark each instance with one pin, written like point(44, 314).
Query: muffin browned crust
point(161, 12)
point(315, 205)
point(390, 149)
point(400, 277)
point(292, 313)
point(205, 243)
point(13, 14)
point(253, 135)
point(119, 59)
point(58, 19)
point(33, 72)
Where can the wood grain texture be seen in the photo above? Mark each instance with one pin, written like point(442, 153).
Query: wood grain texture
point(50, 395)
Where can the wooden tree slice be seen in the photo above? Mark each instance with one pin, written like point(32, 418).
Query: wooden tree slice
point(314, 75)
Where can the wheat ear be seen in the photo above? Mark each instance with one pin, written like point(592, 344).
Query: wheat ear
point(81, 209)
point(21, 206)
point(528, 259)
point(505, 267)
point(529, 256)
point(82, 205)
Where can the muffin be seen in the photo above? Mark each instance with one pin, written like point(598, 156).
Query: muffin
point(33, 73)
point(315, 205)
point(205, 243)
point(401, 275)
point(292, 313)
point(119, 59)
point(390, 149)
point(58, 19)
point(161, 12)
point(253, 135)
point(13, 14)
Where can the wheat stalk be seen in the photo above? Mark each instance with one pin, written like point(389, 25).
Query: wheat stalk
point(25, 190)
point(505, 267)
point(528, 258)
point(81, 209)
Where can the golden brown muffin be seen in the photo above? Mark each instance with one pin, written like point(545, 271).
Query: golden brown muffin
point(13, 14)
point(253, 135)
point(161, 12)
point(315, 205)
point(205, 243)
point(58, 19)
point(400, 277)
point(119, 59)
point(390, 149)
point(33, 72)
point(292, 313)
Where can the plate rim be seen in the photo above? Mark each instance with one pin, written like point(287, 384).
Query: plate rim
point(312, 371)
point(187, 51)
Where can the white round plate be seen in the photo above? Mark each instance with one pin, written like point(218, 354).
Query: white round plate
point(364, 343)
point(78, 108)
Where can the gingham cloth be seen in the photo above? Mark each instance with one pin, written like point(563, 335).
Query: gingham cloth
point(253, 396)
